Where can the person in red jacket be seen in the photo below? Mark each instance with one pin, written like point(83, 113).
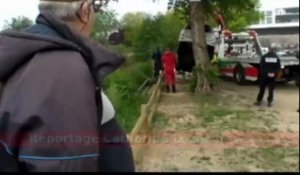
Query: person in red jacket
point(169, 61)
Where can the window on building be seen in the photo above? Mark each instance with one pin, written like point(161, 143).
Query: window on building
point(280, 12)
point(269, 13)
point(269, 20)
point(277, 11)
point(294, 10)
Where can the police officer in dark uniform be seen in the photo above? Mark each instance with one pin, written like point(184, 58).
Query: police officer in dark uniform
point(270, 66)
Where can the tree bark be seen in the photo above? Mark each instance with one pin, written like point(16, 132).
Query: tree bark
point(200, 48)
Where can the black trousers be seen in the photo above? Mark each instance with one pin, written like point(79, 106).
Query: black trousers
point(211, 52)
point(265, 82)
point(115, 151)
point(157, 68)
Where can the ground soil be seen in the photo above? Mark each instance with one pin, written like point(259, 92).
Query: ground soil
point(182, 139)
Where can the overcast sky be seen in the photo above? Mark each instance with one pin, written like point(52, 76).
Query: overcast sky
point(13, 8)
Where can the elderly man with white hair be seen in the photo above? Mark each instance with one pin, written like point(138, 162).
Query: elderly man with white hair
point(54, 116)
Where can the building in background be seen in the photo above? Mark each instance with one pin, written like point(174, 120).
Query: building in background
point(288, 15)
point(279, 26)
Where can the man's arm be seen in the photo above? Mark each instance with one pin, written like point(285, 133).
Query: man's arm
point(262, 66)
point(262, 62)
point(115, 150)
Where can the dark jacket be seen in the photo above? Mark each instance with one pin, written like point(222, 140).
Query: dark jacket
point(269, 63)
point(157, 59)
point(51, 80)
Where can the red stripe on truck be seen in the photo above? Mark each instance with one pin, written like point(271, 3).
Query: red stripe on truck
point(227, 70)
point(251, 72)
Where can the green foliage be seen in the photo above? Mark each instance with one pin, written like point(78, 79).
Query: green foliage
point(122, 89)
point(279, 159)
point(182, 8)
point(122, 49)
point(172, 26)
point(146, 40)
point(132, 23)
point(104, 24)
point(19, 23)
point(143, 34)
point(150, 32)
point(213, 75)
point(237, 14)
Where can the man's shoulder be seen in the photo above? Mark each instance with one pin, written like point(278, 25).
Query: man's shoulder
point(68, 58)
point(270, 55)
point(60, 62)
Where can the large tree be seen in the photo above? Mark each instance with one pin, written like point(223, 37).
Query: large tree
point(238, 14)
point(18, 23)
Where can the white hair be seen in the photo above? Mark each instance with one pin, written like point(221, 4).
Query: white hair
point(66, 11)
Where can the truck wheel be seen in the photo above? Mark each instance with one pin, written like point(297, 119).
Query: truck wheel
point(239, 75)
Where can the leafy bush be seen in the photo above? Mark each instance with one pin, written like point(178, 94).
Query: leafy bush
point(122, 89)
point(150, 32)
point(143, 33)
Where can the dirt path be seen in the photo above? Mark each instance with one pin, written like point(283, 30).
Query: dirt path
point(175, 111)
point(286, 103)
point(224, 134)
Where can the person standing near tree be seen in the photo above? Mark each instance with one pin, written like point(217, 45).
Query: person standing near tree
point(269, 68)
point(169, 61)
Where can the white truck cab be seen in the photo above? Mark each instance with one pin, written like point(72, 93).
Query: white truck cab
point(240, 55)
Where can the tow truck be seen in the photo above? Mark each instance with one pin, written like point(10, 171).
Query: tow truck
point(240, 54)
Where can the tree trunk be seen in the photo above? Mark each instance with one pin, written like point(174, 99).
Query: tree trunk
point(200, 48)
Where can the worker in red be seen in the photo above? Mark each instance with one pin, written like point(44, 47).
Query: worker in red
point(169, 61)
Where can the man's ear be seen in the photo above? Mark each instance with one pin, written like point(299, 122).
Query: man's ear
point(85, 12)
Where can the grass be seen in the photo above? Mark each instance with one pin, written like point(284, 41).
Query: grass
point(228, 112)
point(266, 159)
point(221, 112)
point(228, 117)
point(159, 121)
point(170, 168)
